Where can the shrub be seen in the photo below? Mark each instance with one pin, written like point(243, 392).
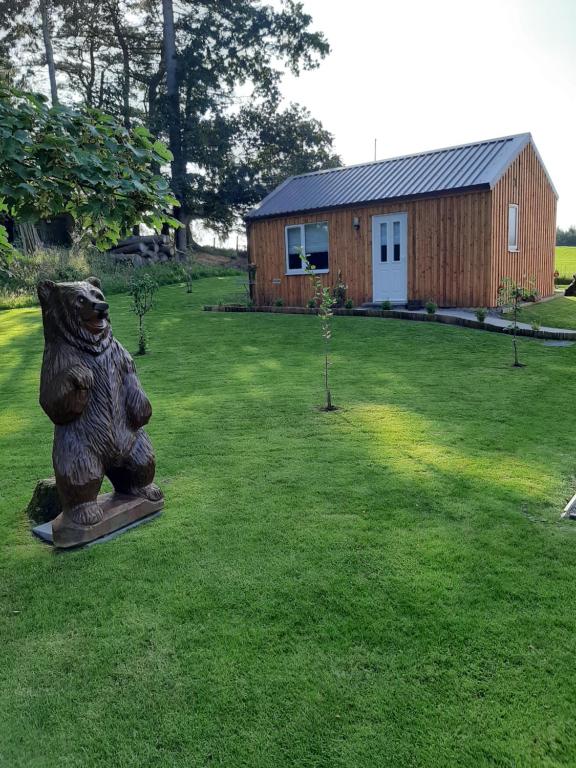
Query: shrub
point(535, 325)
point(18, 284)
point(279, 303)
point(339, 292)
point(431, 307)
point(349, 304)
point(481, 313)
point(311, 303)
point(387, 304)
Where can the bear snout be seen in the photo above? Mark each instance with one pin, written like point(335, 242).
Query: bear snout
point(101, 307)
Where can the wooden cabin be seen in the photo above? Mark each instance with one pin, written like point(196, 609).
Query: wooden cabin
point(445, 225)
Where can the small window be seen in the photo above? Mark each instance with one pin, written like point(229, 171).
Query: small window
point(512, 227)
point(384, 242)
point(293, 245)
point(396, 233)
point(313, 240)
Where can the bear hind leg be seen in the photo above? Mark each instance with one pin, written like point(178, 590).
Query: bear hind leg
point(78, 482)
point(135, 475)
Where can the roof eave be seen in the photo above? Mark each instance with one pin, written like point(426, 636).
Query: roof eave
point(249, 218)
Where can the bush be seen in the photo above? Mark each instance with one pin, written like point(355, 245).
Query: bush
point(339, 292)
point(431, 307)
point(18, 285)
point(311, 303)
point(481, 313)
point(387, 304)
point(349, 304)
point(279, 303)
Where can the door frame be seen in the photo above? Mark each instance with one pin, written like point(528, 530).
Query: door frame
point(378, 219)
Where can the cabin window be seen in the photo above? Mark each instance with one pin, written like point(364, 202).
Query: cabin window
point(396, 232)
point(512, 227)
point(384, 242)
point(313, 240)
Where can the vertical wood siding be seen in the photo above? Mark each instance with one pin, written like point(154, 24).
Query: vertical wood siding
point(525, 183)
point(457, 244)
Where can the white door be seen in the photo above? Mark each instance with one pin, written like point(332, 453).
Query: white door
point(390, 258)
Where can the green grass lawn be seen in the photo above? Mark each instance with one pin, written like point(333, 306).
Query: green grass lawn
point(559, 312)
point(385, 585)
point(566, 260)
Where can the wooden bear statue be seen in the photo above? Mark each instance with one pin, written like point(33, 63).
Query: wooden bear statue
point(90, 390)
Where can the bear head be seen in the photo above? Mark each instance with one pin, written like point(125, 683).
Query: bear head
point(76, 313)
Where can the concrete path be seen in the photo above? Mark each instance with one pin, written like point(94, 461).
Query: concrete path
point(499, 322)
point(464, 317)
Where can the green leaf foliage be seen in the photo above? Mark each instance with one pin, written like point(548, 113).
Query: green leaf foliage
point(82, 162)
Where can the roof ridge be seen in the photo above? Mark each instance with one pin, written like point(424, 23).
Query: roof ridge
point(412, 154)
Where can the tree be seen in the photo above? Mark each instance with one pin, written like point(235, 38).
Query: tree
point(221, 46)
point(142, 290)
point(510, 295)
point(215, 94)
point(268, 146)
point(324, 302)
point(566, 236)
point(57, 160)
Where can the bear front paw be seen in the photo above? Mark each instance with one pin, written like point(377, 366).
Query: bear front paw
point(89, 513)
point(81, 376)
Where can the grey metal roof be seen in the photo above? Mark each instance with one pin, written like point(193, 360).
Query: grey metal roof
point(470, 166)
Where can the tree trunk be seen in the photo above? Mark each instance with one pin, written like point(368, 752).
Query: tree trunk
point(48, 50)
point(175, 129)
point(125, 81)
point(123, 44)
point(517, 363)
point(92, 76)
point(328, 403)
point(101, 91)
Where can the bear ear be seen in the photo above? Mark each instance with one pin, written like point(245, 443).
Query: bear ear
point(45, 288)
point(94, 281)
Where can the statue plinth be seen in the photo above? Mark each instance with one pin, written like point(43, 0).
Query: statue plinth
point(120, 511)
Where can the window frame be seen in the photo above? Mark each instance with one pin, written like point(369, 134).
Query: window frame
point(302, 228)
point(513, 248)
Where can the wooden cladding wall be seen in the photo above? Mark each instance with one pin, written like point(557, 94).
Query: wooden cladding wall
point(448, 251)
point(525, 184)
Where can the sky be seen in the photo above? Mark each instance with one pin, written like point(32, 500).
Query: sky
point(418, 75)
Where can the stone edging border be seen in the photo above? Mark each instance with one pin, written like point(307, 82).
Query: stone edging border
point(399, 314)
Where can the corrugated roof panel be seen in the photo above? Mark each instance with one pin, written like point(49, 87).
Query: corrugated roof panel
point(441, 170)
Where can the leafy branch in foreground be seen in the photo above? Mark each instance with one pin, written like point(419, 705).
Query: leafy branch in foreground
point(56, 160)
point(324, 302)
point(6, 249)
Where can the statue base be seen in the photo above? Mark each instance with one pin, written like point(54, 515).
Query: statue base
point(121, 513)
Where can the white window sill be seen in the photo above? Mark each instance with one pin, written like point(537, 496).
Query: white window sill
point(513, 250)
point(303, 272)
